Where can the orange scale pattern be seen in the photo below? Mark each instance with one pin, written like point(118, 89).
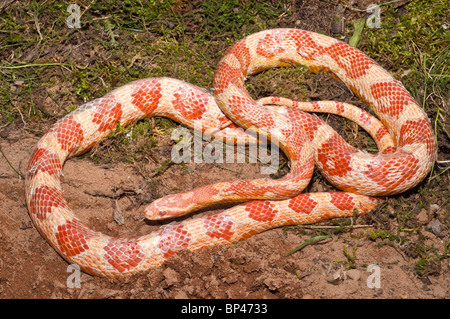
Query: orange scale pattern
point(44, 199)
point(190, 104)
point(69, 134)
point(107, 113)
point(353, 62)
point(44, 160)
point(383, 171)
point(219, 226)
point(173, 238)
point(146, 95)
point(417, 131)
point(392, 97)
point(123, 253)
point(303, 203)
point(334, 156)
point(261, 211)
point(72, 238)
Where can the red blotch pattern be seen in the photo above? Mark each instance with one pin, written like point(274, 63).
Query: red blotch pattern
point(270, 45)
point(340, 107)
point(190, 104)
point(309, 123)
point(302, 203)
point(43, 160)
point(219, 226)
point(172, 239)
point(242, 54)
point(44, 199)
point(306, 46)
point(342, 201)
point(106, 113)
point(72, 237)
point(335, 156)
point(260, 210)
point(389, 150)
point(68, 133)
point(417, 131)
point(381, 132)
point(355, 63)
point(391, 97)
point(385, 170)
point(364, 117)
point(315, 105)
point(259, 117)
point(146, 95)
point(227, 75)
point(123, 253)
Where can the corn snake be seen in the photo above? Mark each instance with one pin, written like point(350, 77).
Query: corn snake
point(405, 139)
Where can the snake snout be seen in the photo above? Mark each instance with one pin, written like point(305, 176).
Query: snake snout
point(152, 213)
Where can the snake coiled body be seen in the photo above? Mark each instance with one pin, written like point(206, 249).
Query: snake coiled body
point(404, 136)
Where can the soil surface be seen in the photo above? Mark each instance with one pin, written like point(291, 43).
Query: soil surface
point(356, 262)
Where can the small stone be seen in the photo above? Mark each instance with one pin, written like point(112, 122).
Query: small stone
point(436, 227)
point(170, 276)
point(337, 26)
point(423, 217)
point(335, 277)
point(434, 208)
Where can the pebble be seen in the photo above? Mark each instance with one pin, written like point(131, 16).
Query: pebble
point(335, 277)
point(436, 227)
point(434, 208)
point(170, 276)
point(422, 217)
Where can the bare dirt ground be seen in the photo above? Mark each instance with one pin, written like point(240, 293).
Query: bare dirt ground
point(410, 253)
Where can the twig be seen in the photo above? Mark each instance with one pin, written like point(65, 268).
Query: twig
point(32, 65)
point(439, 174)
point(38, 28)
point(309, 241)
point(334, 227)
point(9, 163)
